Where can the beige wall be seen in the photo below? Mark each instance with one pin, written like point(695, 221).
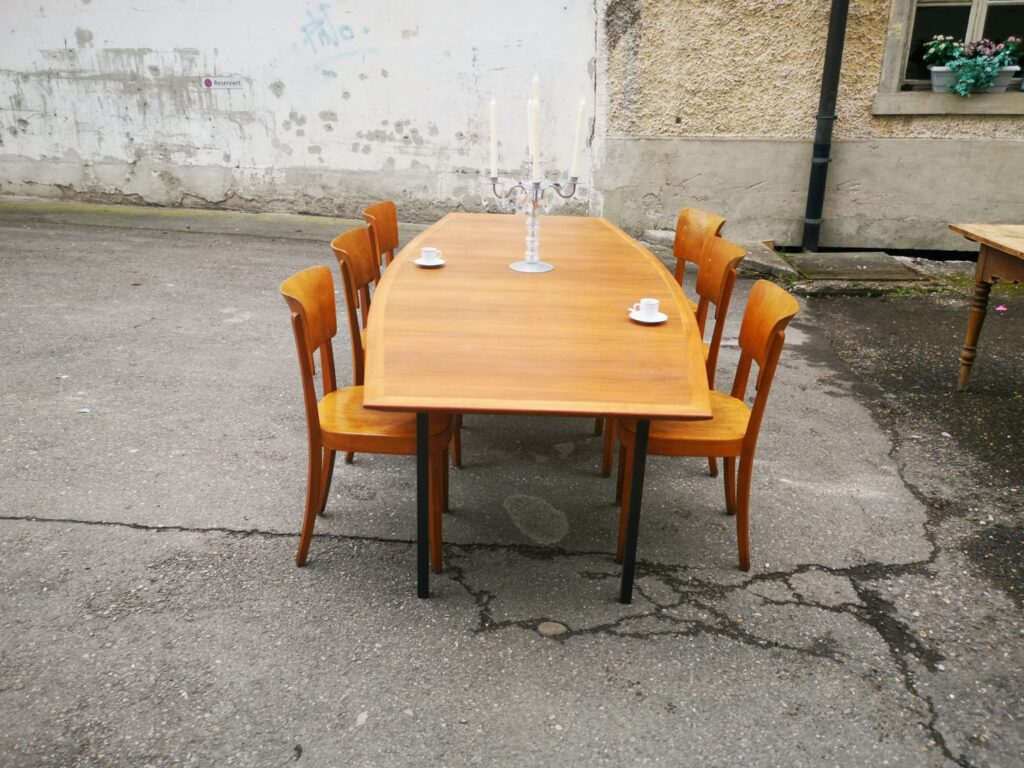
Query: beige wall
point(684, 72)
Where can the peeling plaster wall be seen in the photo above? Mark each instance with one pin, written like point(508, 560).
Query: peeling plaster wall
point(338, 104)
point(714, 102)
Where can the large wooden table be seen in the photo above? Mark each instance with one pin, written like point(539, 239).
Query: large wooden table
point(477, 337)
point(1001, 257)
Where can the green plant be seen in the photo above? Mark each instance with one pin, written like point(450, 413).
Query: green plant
point(941, 50)
point(978, 63)
point(1013, 49)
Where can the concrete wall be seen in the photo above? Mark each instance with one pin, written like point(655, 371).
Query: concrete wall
point(338, 104)
point(335, 104)
point(881, 192)
point(714, 102)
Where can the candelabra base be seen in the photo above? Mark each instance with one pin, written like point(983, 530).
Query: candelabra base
point(531, 266)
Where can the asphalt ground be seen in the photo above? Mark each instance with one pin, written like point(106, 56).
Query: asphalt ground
point(152, 473)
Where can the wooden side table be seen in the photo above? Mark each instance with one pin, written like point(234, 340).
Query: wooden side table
point(1001, 258)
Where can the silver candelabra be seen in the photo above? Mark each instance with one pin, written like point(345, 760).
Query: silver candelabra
point(531, 193)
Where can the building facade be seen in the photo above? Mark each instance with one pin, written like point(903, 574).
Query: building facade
point(327, 106)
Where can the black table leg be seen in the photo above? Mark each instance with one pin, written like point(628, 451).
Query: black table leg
point(422, 505)
point(636, 495)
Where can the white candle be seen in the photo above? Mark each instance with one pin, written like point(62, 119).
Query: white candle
point(578, 146)
point(535, 92)
point(535, 133)
point(529, 127)
point(494, 137)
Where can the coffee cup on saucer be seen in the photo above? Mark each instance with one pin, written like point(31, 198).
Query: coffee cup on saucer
point(430, 257)
point(647, 311)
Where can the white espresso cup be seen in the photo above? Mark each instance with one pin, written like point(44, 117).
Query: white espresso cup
point(429, 255)
point(646, 309)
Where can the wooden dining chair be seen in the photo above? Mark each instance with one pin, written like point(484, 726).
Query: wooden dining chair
point(382, 219)
point(732, 431)
point(359, 269)
point(339, 422)
point(693, 228)
point(716, 279)
point(715, 282)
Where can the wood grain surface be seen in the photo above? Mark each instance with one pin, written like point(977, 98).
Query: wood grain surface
point(1008, 238)
point(476, 336)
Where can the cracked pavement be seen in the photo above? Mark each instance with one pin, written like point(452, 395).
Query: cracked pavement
point(152, 468)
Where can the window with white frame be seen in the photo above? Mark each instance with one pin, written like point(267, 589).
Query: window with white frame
point(992, 19)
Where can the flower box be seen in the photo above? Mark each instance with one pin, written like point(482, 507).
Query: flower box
point(944, 77)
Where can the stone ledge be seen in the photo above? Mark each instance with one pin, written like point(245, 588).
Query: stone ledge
point(856, 288)
point(928, 103)
point(761, 259)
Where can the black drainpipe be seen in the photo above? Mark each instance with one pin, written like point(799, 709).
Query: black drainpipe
point(826, 119)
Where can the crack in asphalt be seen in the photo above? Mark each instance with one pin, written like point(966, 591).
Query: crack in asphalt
point(896, 635)
point(881, 613)
point(877, 613)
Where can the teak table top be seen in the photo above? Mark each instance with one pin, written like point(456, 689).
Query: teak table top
point(1008, 238)
point(476, 336)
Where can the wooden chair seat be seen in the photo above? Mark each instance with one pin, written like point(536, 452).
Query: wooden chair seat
point(338, 421)
point(694, 228)
point(715, 282)
point(731, 433)
point(358, 254)
point(721, 435)
point(347, 426)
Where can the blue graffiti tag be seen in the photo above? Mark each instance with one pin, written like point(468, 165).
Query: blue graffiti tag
point(320, 32)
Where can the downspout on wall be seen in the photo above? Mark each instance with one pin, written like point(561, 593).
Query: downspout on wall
point(826, 119)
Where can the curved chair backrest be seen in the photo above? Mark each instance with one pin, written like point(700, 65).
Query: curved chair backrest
point(693, 227)
point(762, 334)
point(382, 219)
point(310, 296)
point(358, 268)
point(715, 282)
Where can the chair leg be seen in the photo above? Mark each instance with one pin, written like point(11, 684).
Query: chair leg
point(349, 456)
point(312, 502)
point(730, 485)
point(620, 474)
point(438, 469)
point(626, 462)
point(609, 449)
point(713, 466)
point(457, 443)
point(598, 425)
point(326, 473)
point(743, 512)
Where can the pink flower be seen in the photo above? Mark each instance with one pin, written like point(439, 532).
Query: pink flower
point(1000, 308)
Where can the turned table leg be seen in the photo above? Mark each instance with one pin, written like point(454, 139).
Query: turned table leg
point(975, 319)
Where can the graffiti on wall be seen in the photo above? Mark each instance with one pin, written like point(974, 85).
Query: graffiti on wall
point(327, 40)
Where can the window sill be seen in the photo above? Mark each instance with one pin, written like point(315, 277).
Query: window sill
point(927, 103)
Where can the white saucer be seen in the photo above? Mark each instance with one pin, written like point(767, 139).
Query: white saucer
point(660, 317)
point(428, 264)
